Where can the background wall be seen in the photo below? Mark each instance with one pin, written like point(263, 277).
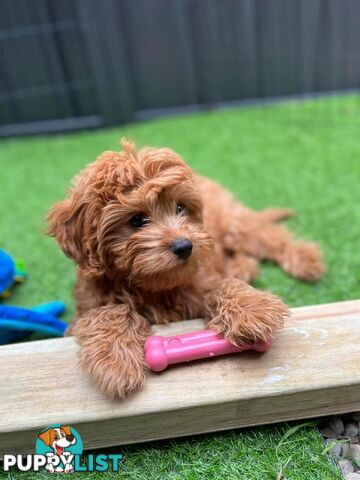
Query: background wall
point(85, 63)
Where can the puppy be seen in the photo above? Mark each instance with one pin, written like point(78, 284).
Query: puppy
point(155, 243)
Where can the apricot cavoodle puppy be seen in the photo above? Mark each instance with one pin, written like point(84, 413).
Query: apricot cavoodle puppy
point(155, 243)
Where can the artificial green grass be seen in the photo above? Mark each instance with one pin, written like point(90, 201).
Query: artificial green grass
point(304, 155)
point(257, 454)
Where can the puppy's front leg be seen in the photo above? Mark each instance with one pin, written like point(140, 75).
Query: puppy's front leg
point(243, 314)
point(112, 340)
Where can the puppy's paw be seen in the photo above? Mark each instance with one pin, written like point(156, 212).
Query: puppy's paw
point(243, 268)
point(304, 261)
point(119, 375)
point(246, 315)
point(125, 384)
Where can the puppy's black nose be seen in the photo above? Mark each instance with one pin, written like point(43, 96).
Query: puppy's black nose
point(182, 247)
point(70, 438)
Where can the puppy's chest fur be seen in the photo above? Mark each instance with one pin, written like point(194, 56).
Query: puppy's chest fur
point(180, 303)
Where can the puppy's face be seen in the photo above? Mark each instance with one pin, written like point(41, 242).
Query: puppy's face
point(137, 215)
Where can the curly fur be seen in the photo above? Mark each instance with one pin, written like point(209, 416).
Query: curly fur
point(129, 278)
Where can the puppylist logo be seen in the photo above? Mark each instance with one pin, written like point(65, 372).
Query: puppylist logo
point(59, 449)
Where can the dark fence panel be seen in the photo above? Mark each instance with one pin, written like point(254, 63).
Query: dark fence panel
point(80, 63)
point(44, 73)
point(159, 52)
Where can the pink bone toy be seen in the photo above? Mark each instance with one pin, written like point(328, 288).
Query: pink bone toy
point(163, 351)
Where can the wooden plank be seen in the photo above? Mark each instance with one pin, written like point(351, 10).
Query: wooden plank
point(311, 370)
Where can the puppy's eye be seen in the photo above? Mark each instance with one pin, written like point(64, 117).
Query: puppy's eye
point(56, 436)
point(180, 208)
point(139, 220)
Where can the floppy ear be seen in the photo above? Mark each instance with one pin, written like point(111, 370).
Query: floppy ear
point(66, 429)
point(66, 225)
point(45, 437)
point(73, 223)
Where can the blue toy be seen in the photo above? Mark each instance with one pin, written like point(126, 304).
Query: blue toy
point(16, 322)
point(11, 272)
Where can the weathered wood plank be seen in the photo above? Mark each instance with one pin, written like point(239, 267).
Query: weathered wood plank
point(313, 369)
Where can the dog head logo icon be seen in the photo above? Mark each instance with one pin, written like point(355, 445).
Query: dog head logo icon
point(59, 443)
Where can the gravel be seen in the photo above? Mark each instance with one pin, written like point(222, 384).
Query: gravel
point(337, 425)
point(352, 476)
point(335, 451)
point(342, 434)
point(351, 430)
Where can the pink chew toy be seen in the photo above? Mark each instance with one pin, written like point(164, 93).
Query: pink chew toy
point(163, 351)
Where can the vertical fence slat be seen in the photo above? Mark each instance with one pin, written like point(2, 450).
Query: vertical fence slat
point(159, 45)
point(109, 65)
point(353, 43)
point(182, 10)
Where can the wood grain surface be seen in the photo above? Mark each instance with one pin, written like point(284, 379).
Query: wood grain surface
point(312, 369)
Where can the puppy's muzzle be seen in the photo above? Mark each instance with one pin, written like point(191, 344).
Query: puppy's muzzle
point(182, 248)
